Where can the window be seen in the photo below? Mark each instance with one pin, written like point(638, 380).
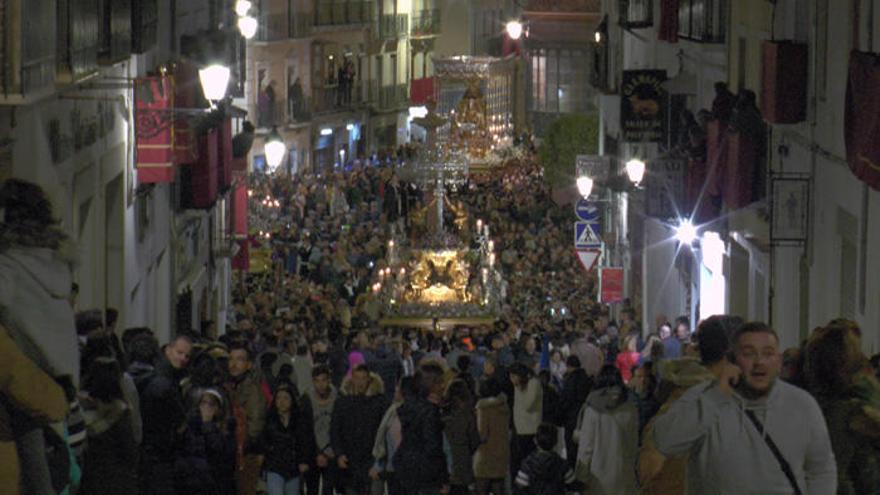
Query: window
point(636, 13)
point(702, 20)
point(558, 81)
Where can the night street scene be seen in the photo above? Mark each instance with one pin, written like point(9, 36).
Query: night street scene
point(425, 247)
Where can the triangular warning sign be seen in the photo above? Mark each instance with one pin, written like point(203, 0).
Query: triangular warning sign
point(589, 258)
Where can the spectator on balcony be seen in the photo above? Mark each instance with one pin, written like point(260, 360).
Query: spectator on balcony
point(346, 82)
point(295, 99)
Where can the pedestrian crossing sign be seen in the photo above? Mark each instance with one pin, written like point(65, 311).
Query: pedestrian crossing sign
point(587, 235)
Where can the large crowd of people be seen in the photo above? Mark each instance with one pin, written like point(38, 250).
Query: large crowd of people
point(306, 393)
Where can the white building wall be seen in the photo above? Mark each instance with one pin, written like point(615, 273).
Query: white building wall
point(843, 209)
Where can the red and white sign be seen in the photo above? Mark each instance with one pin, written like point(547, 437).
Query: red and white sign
point(589, 258)
point(610, 285)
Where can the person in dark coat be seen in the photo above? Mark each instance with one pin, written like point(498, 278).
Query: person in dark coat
point(460, 427)
point(206, 461)
point(356, 418)
point(575, 388)
point(287, 443)
point(420, 461)
point(163, 413)
point(111, 459)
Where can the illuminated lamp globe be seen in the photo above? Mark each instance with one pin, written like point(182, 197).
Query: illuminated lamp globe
point(686, 232)
point(242, 7)
point(635, 170)
point(585, 186)
point(247, 26)
point(514, 29)
point(274, 149)
point(215, 80)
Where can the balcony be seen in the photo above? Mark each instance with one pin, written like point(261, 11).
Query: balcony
point(283, 113)
point(393, 97)
point(334, 98)
point(330, 14)
point(280, 27)
point(116, 31)
point(79, 25)
point(144, 24)
point(426, 23)
point(393, 26)
point(27, 50)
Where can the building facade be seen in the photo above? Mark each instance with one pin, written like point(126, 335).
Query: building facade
point(69, 118)
point(337, 78)
point(785, 227)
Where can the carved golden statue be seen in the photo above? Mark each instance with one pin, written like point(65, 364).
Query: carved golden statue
point(470, 127)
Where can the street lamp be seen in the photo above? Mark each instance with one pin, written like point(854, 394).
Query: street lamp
point(215, 80)
point(635, 170)
point(585, 186)
point(247, 25)
point(242, 7)
point(686, 232)
point(601, 33)
point(514, 29)
point(274, 149)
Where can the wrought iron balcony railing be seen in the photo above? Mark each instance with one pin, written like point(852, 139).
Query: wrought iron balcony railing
point(426, 23)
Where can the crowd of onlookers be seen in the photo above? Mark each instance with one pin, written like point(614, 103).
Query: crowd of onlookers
point(306, 393)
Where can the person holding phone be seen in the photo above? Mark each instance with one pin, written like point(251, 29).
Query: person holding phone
point(747, 431)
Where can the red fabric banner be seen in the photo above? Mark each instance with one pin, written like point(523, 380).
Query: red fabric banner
point(784, 82)
point(421, 91)
point(154, 107)
point(224, 158)
point(240, 210)
point(862, 117)
point(203, 173)
point(186, 95)
point(741, 170)
point(668, 30)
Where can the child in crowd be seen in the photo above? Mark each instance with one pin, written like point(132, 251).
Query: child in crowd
point(544, 472)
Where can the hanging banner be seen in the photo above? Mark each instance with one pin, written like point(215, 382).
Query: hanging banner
point(611, 285)
point(154, 129)
point(643, 105)
point(665, 188)
point(861, 125)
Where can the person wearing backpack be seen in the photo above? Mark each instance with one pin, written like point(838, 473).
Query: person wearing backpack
point(544, 472)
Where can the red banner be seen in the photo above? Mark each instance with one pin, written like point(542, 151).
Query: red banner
point(240, 210)
point(224, 158)
point(862, 118)
point(668, 30)
point(186, 95)
point(421, 91)
point(203, 173)
point(611, 283)
point(154, 130)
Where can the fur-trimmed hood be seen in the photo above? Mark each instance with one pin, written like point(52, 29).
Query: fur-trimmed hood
point(684, 372)
point(375, 387)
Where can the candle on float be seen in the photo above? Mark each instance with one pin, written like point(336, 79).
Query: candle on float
point(486, 230)
point(479, 225)
point(491, 259)
point(491, 246)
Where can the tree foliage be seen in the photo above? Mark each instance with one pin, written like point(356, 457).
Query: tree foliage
point(568, 136)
